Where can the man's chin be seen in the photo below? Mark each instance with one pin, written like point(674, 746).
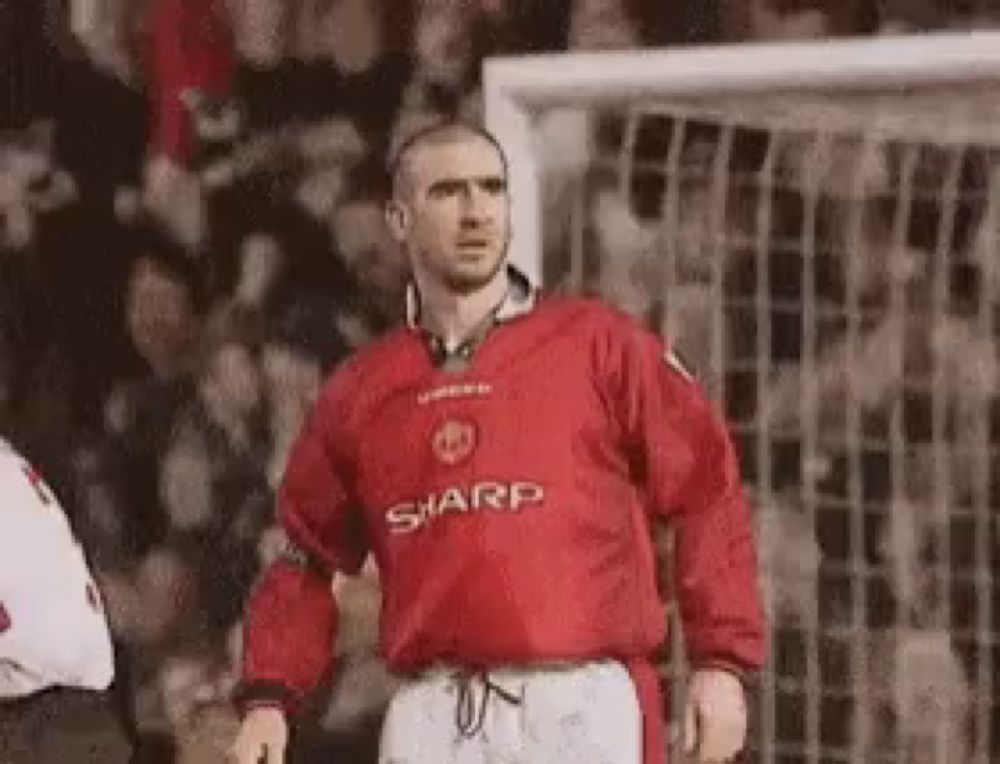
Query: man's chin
point(461, 283)
point(472, 280)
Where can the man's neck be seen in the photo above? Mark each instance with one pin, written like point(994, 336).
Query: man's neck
point(453, 316)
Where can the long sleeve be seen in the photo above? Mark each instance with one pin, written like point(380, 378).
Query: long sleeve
point(716, 559)
point(291, 617)
point(682, 455)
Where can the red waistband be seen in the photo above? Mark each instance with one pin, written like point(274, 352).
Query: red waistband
point(647, 688)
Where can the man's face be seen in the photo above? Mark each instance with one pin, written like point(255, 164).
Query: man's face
point(158, 311)
point(451, 212)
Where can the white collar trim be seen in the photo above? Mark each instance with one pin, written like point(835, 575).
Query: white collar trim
point(519, 300)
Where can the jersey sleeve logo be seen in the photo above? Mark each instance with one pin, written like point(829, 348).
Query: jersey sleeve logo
point(454, 441)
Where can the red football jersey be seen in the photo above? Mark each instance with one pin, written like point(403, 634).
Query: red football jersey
point(508, 505)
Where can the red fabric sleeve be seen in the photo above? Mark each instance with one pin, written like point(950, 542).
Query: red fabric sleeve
point(682, 453)
point(316, 504)
point(716, 559)
point(291, 618)
point(289, 633)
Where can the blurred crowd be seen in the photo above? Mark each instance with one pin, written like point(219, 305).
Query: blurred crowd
point(191, 238)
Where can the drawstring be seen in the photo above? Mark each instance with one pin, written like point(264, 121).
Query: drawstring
point(468, 717)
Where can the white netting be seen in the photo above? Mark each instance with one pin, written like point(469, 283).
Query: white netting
point(829, 265)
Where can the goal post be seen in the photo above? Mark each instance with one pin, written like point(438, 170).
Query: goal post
point(517, 89)
point(816, 226)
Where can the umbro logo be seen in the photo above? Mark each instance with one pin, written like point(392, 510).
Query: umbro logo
point(450, 392)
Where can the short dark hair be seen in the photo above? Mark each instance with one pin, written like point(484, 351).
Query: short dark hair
point(427, 134)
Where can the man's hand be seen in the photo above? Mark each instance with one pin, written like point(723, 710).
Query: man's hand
point(715, 717)
point(263, 737)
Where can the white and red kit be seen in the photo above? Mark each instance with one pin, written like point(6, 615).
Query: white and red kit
point(507, 506)
point(53, 632)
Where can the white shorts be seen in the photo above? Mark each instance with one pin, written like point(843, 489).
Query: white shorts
point(579, 714)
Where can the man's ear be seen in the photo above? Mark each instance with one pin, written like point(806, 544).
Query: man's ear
point(397, 218)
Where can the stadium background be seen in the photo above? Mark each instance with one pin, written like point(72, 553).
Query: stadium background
point(190, 237)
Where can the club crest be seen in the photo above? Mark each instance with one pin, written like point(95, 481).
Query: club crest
point(454, 441)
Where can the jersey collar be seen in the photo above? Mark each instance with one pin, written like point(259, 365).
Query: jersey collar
point(519, 300)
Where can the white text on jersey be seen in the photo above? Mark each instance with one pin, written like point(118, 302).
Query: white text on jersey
point(410, 516)
point(446, 392)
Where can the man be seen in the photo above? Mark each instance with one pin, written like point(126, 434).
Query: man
point(501, 458)
point(56, 661)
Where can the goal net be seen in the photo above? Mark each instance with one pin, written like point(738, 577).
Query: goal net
point(816, 228)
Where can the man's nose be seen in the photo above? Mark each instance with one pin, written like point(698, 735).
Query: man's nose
point(475, 210)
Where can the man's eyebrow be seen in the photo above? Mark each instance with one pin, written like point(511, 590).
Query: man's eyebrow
point(447, 184)
point(492, 181)
point(454, 183)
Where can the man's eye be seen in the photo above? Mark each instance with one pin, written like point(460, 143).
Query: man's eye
point(494, 186)
point(443, 190)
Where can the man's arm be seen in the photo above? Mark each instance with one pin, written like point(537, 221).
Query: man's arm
point(681, 454)
point(715, 557)
point(291, 617)
point(683, 457)
point(716, 584)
